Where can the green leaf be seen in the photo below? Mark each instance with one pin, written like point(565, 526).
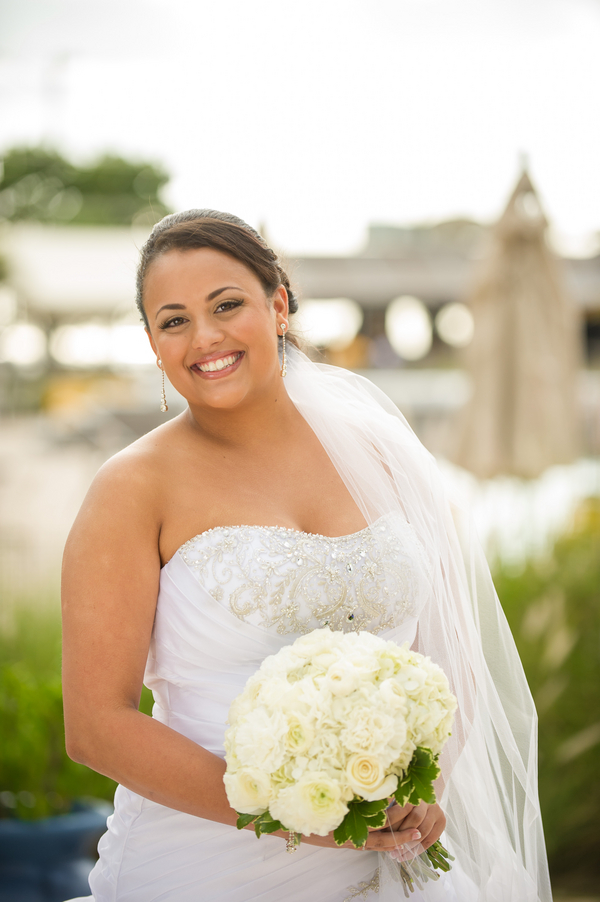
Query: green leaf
point(423, 770)
point(264, 823)
point(244, 819)
point(417, 782)
point(353, 828)
point(403, 791)
point(376, 820)
point(369, 809)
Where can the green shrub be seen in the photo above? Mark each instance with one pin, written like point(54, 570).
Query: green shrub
point(553, 607)
point(37, 778)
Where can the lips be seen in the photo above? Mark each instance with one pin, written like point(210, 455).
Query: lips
point(218, 364)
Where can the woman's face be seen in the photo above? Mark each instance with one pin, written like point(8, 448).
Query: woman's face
point(213, 327)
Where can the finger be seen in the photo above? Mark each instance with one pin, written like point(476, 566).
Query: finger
point(384, 842)
point(395, 817)
point(433, 830)
point(413, 819)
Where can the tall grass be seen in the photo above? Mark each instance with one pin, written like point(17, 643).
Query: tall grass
point(37, 778)
point(553, 607)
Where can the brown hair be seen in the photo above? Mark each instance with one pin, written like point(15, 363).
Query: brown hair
point(222, 232)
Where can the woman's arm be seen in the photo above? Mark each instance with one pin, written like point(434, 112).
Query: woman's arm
point(110, 585)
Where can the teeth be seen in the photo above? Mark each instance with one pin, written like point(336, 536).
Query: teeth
point(214, 366)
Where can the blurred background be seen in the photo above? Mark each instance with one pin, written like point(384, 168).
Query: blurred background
point(429, 171)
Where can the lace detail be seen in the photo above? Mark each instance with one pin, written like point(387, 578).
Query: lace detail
point(363, 889)
point(294, 582)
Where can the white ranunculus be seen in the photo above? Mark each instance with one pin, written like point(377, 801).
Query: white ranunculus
point(341, 679)
point(249, 790)
point(313, 805)
point(299, 736)
point(366, 775)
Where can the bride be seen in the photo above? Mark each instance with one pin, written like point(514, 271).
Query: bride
point(288, 496)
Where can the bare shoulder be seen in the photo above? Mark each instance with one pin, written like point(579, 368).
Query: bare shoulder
point(126, 495)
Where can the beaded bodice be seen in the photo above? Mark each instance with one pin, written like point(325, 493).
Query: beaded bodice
point(293, 582)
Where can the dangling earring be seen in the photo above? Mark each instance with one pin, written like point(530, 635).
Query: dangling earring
point(163, 398)
point(283, 360)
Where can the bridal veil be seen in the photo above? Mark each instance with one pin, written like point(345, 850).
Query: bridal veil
point(488, 782)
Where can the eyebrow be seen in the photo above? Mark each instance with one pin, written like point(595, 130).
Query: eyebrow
point(214, 294)
point(209, 297)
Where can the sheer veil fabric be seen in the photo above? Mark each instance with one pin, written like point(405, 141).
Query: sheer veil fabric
point(488, 782)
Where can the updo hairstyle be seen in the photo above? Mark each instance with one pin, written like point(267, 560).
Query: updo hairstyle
point(222, 232)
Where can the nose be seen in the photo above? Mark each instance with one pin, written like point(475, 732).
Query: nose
point(206, 334)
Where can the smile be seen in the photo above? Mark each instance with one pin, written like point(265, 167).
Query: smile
point(217, 366)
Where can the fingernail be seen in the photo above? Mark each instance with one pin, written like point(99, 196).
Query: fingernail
point(416, 835)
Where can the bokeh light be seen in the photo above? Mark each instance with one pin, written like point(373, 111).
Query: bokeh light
point(93, 344)
point(454, 324)
point(23, 344)
point(329, 323)
point(408, 327)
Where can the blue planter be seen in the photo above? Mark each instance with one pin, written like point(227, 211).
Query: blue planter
point(49, 860)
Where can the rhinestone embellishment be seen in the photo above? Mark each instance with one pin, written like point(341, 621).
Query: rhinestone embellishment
point(281, 579)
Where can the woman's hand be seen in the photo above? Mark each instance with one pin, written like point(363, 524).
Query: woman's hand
point(415, 827)
point(428, 820)
point(379, 840)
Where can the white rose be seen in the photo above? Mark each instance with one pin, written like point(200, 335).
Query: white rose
point(249, 790)
point(260, 739)
point(367, 778)
point(313, 805)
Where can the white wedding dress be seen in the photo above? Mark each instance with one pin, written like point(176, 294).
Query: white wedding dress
point(229, 598)
point(234, 595)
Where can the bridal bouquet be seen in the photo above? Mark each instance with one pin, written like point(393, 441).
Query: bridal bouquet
point(332, 729)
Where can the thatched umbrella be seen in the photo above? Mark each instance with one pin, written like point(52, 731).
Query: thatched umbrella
point(522, 416)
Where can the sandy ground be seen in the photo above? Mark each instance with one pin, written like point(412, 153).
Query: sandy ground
point(42, 485)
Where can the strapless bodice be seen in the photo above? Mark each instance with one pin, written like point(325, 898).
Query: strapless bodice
point(231, 596)
point(293, 582)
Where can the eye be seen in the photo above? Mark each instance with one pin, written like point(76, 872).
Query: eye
point(226, 306)
point(174, 321)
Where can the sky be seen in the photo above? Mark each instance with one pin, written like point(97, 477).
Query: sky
point(315, 118)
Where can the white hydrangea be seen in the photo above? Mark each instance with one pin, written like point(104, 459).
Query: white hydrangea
point(332, 717)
